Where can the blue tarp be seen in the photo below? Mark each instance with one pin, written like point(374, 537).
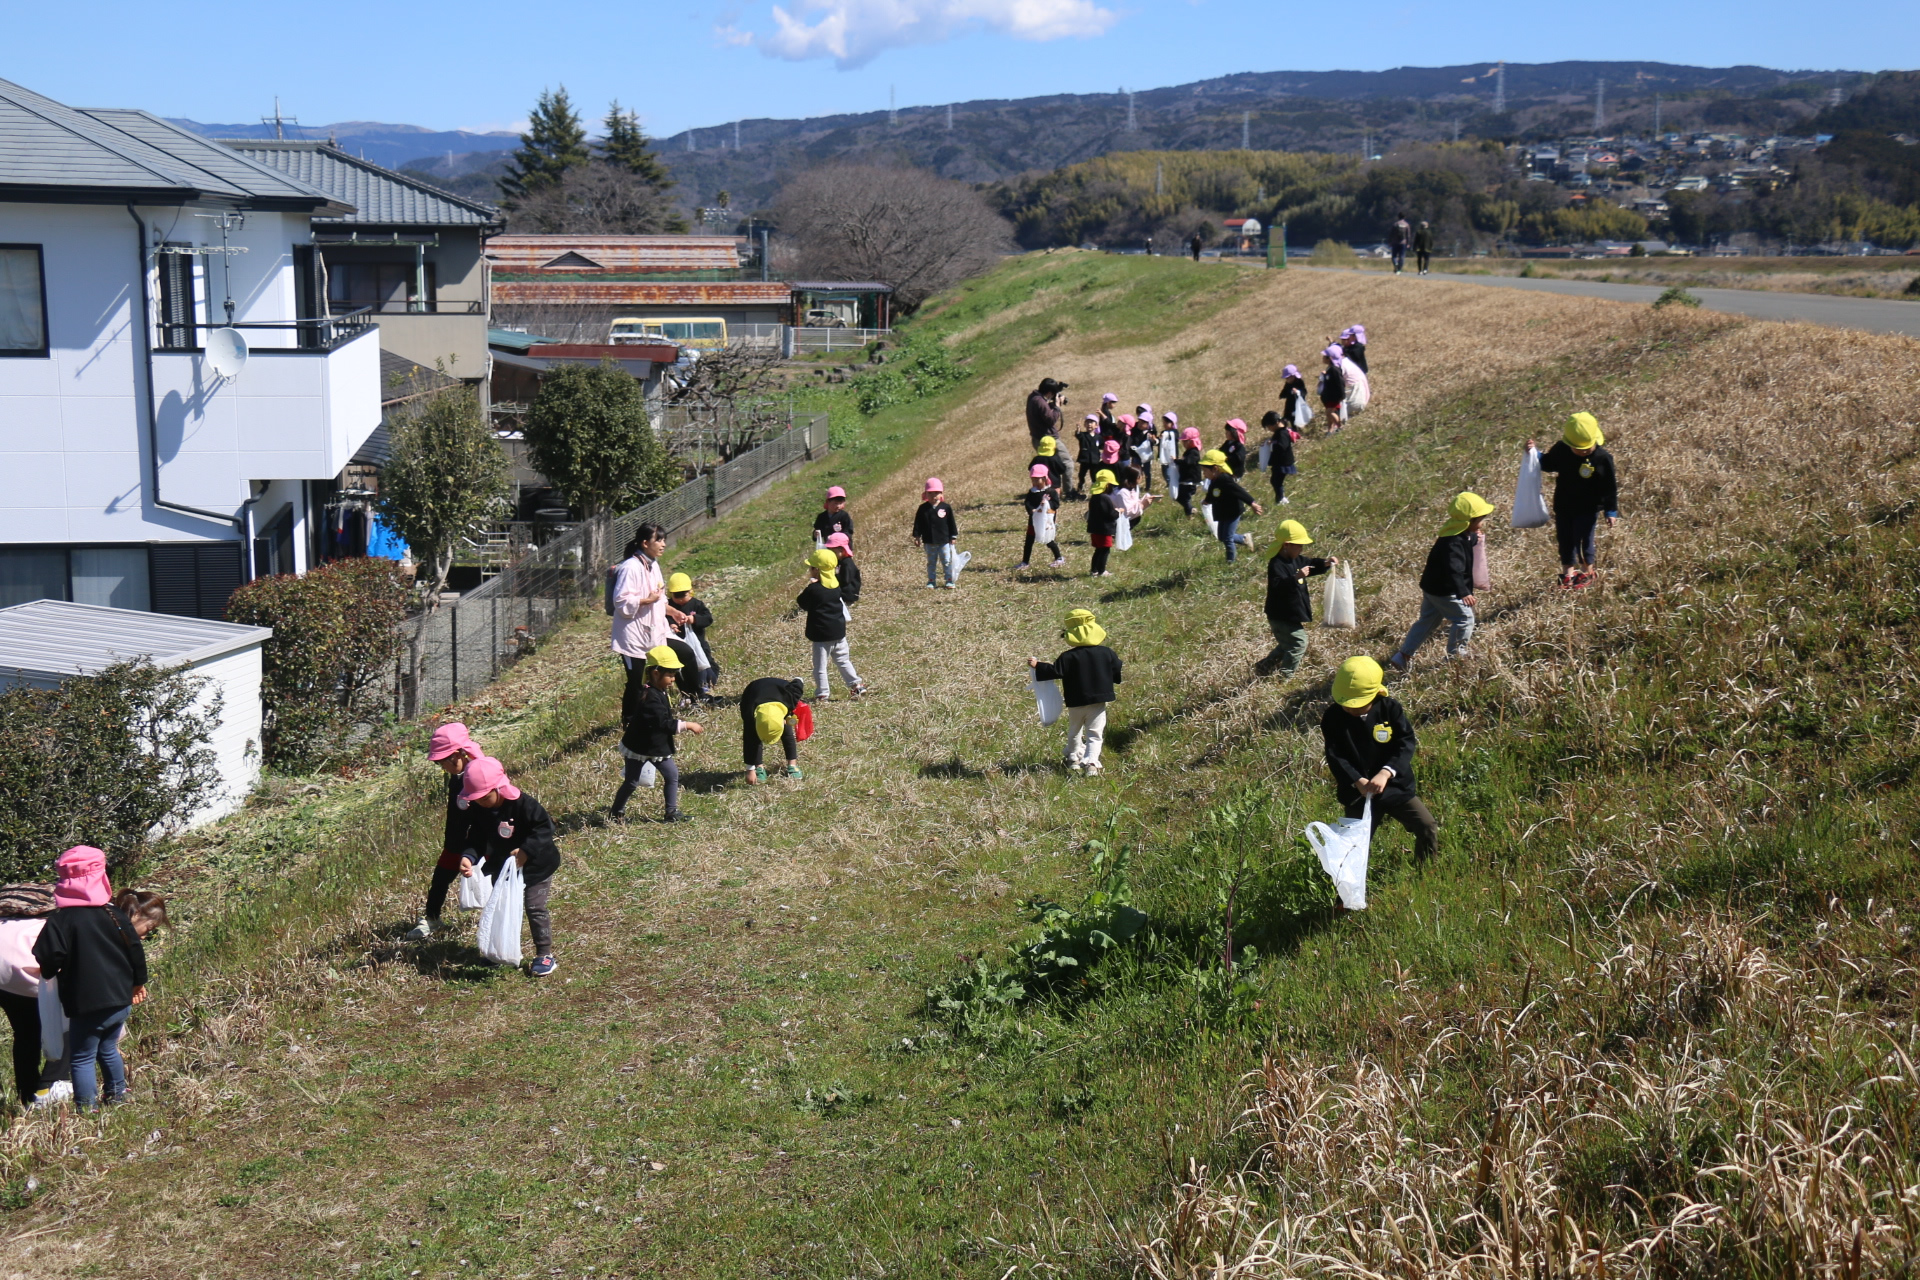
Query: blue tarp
point(384, 542)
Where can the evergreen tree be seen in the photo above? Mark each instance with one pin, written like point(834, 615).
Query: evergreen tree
point(555, 141)
point(625, 145)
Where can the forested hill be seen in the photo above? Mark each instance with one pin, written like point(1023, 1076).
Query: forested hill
point(1336, 111)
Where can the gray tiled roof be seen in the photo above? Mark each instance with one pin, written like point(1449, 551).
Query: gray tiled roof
point(379, 196)
point(53, 152)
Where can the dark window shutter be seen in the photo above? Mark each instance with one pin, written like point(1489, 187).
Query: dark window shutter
point(176, 302)
point(194, 580)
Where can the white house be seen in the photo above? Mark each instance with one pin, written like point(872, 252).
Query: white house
point(131, 473)
point(46, 642)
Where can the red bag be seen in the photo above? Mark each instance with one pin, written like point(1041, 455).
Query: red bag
point(803, 722)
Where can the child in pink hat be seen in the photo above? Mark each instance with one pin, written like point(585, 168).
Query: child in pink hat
point(935, 529)
point(512, 824)
point(92, 948)
point(834, 518)
point(453, 749)
point(848, 572)
point(1042, 501)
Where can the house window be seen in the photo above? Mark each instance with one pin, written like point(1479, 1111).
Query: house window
point(177, 310)
point(32, 573)
point(112, 576)
point(388, 287)
point(23, 301)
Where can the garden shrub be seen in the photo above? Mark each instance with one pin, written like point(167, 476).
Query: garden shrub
point(335, 636)
point(109, 760)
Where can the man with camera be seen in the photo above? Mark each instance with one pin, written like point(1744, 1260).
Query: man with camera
point(1043, 410)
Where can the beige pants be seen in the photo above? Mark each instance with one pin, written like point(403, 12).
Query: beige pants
point(1086, 728)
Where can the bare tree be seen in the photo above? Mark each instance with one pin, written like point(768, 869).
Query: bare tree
point(907, 228)
point(723, 401)
point(596, 198)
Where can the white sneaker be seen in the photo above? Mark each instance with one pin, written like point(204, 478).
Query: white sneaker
point(1286, 502)
point(60, 1091)
point(424, 930)
point(1059, 563)
point(1017, 568)
point(951, 586)
point(1091, 770)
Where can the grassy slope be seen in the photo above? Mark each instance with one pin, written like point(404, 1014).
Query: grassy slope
point(740, 1003)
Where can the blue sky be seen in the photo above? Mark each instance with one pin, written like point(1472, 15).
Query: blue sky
point(481, 63)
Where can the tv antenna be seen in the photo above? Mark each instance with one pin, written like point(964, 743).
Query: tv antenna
point(278, 121)
point(228, 223)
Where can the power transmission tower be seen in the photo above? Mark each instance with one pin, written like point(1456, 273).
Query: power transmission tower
point(1130, 124)
point(736, 135)
point(893, 117)
point(1499, 88)
point(1656, 115)
point(949, 117)
point(1246, 130)
point(1599, 104)
point(1159, 177)
point(690, 145)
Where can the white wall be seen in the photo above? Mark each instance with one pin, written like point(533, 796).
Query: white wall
point(236, 678)
point(73, 434)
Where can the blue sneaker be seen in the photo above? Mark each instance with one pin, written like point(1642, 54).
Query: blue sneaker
point(544, 966)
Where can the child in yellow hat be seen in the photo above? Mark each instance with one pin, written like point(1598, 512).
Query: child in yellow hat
point(1370, 745)
point(1446, 587)
point(1289, 607)
point(1229, 500)
point(1103, 519)
point(649, 735)
point(698, 619)
point(827, 624)
point(1586, 489)
point(1088, 672)
point(767, 709)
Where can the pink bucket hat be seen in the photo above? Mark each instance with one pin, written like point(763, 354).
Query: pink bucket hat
point(484, 775)
point(836, 492)
point(83, 878)
point(1143, 411)
point(1093, 417)
point(1039, 471)
point(448, 739)
point(1359, 331)
point(1334, 353)
point(1238, 428)
point(1109, 398)
point(841, 541)
point(1110, 451)
point(933, 486)
point(1191, 435)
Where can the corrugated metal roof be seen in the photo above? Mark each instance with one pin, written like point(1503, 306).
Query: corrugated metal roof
point(514, 340)
point(55, 639)
point(51, 151)
point(737, 293)
point(583, 255)
point(872, 286)
point(378, 195)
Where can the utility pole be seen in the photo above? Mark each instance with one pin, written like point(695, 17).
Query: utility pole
point(1159, 177)
point(1130, 124)
point(1656, 115)
point(949, 117)
point(1499, 88)
point(893, 117)
point(278, 121)
point(736, 135)
point(1246, 130)
point(1599, 105)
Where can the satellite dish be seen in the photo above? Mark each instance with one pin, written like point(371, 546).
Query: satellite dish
point(226, 352)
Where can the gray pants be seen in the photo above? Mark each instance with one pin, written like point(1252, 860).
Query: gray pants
point(939, 557)
point(1434, 610)
point(539, 919)
point(841, 657)
point(1289, 645)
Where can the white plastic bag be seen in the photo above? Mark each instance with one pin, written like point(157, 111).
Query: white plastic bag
point(1342, 850)
point(1482, 575)
point(1047, 695)
point(474, 891)
point(960, 559)
point(1302, 412)
point(1359, 388)
point(1169, 449)
point(1043, 527)
point(1529, 502)
point(1339, 610)
point(53, 1021)
point(1266, 455)
point(1123, 535)
point(692, 641)
point(1206, 513)
point(649, 775)
point(499, 927)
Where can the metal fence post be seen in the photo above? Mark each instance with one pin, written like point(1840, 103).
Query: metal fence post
point(713, 492)
point(453, 639)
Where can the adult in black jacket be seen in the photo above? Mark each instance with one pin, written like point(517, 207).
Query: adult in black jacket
point(1289, 607)
point(91, 948)
point(1280, 462)
point(649, 738)
point(1422, 247)
point(827, 624)
point(1446, 585)
point(1369, 746)
point(1103, 519)
point(1087, 672)
point(517, 826)
point(765, 707)
point(1586, 490)
point(1043, 409)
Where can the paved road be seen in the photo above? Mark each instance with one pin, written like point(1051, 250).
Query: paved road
point(1878, 315)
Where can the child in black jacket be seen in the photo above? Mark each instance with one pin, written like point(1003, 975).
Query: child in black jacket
point(1088, 672)
point(1086, 454)
point(695, 682)
point(1041, 496)
point(935, 529)
point(1370, 746)
point(826, 626)
point(91, 946)
point(1103, 519)
point(1586, 489)
point(767, 706)
point(848, 572)
point(1279, 453)
point(648, 739)
point(834, 518)
point(516, 826)
point(1446, 586)
point(453, 749)
point(1289, 606)
point(1229, 500)
point(1047, 455)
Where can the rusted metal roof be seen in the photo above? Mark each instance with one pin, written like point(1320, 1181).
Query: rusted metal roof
point(584, 255)
point(664, 352)
point(737, 293)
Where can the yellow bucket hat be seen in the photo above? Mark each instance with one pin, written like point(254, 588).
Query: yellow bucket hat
point(770, 721)
point(1047, 446)
point(663, 657)
point(1463, 510)
point(826, 562)
point(1103, 480)
point(1295, 532)
point(1081, 629)
point(1358, 682)
point(1582, 432)
point(1213, 458)
point(678, 582)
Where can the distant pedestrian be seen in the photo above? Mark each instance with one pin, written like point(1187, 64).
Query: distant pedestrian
point(1446, 585)
point(1399, 236)
point(1585, 490)
point(1423, 247)
point(1194, 245)
point(1088, 672)
point(936, 531)
point(90, 948)
point(1043, 409)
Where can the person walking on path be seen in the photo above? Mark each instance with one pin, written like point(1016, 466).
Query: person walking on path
point(1399, 236)
point(767, 708)
point(1586, 489)
point(1194, 245)
point(826, 627)
point(648, 739)
point(90, 947)
point(935, 530)
point(1229, 501)
point(516, 826)
point(1446, 586)
point(1087, 672)
point(453, 749)
point(1289, 606)
point(1043, 409)
point(1369, 748)
point(1423, 247)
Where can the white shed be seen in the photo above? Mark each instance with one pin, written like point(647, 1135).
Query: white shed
point(45, 642)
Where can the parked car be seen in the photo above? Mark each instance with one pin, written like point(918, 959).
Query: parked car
point(821, 319)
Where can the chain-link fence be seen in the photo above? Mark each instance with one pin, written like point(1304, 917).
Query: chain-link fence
point(472, 640)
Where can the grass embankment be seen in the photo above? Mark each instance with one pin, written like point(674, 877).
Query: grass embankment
point(1841, 277)
point(1668, 933)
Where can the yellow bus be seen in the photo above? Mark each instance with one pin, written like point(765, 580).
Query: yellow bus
point(702, 333)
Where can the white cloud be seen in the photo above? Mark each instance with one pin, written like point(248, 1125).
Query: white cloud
point(854, 32)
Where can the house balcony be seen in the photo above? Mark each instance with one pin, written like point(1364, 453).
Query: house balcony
point(306, 401)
